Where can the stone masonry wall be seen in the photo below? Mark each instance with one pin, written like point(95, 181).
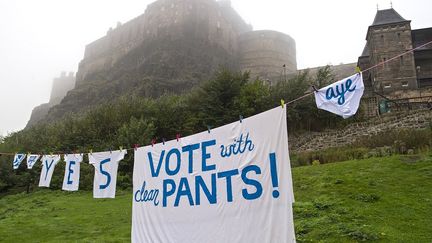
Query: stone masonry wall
point(204, 20)
point(263, 53)
point(348, 135)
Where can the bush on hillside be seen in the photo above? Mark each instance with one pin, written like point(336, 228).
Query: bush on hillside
point(133, 120)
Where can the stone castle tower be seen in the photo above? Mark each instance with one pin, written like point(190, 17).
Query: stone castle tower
point(407, 78)
point(173, 46)
point(387, 37)
point(60, 87)
point(174, 35)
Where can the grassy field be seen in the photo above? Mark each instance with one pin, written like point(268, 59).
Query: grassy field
point(378, 199)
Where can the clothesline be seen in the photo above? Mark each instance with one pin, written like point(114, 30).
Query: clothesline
point(368, 69)
point(282, 102)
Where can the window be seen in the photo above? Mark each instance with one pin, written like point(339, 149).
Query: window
point(405, 84)
point(399, 37)
point(401, 60)
point(387, 86)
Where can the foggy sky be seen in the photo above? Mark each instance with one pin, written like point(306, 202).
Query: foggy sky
point(39, 39)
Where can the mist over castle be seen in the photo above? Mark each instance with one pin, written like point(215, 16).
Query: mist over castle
point(174, 45)
point(171, 47)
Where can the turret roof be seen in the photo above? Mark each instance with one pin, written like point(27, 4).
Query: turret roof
point(387, 16)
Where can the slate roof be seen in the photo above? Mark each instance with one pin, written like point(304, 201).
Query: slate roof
point(422, 36)
point(387, 16)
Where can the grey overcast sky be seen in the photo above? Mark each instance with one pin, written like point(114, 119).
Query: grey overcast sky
point(39, 39)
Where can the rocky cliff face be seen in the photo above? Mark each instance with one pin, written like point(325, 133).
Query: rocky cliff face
point(172, 47)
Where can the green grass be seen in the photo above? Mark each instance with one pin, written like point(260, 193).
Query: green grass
point(382, 199)
point(56, 216)
point(387, 199)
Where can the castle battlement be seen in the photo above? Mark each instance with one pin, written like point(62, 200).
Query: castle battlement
point(213, 26)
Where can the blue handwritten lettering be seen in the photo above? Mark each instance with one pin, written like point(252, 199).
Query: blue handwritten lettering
point(105, 173)
point(167, 192)
point(69, 181)
point(340, 91)
point(47, 167)
point(32, 160)
point(228, 174)
point(251, 182)
point(177, 165)
point(206, 155)
point(155, 172)
point(190, 149)
point(200, 183)
point(184, 190)
point(18, 160)
point(238, 147)
point(144, 195)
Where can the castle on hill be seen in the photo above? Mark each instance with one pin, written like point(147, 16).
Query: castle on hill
point(175, 44)
point(177, 34)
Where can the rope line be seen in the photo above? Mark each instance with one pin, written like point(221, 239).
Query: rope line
point(393, 58)
point(287, 103)
point(368, 69)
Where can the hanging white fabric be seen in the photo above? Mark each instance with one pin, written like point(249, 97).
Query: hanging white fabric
point(48, 164)
point(343, 97)
point(105, 178)
point(31, 160)
point(228, 184)
point(18, 158)
point(72, 172)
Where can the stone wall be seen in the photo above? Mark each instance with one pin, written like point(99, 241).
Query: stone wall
point(171, 48)
point(340, 71)
point(385, 42)
point(264, 53)
point(348, 135)
point(215, 23)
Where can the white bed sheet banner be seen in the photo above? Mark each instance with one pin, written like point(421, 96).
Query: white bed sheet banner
point(233, 184)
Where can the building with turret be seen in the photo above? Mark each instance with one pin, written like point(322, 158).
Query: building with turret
point(176, 37)
point(404, 79)
point(170, 48)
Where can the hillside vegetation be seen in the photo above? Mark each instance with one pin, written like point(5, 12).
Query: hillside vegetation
point(378, 199)
point(134, 120)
